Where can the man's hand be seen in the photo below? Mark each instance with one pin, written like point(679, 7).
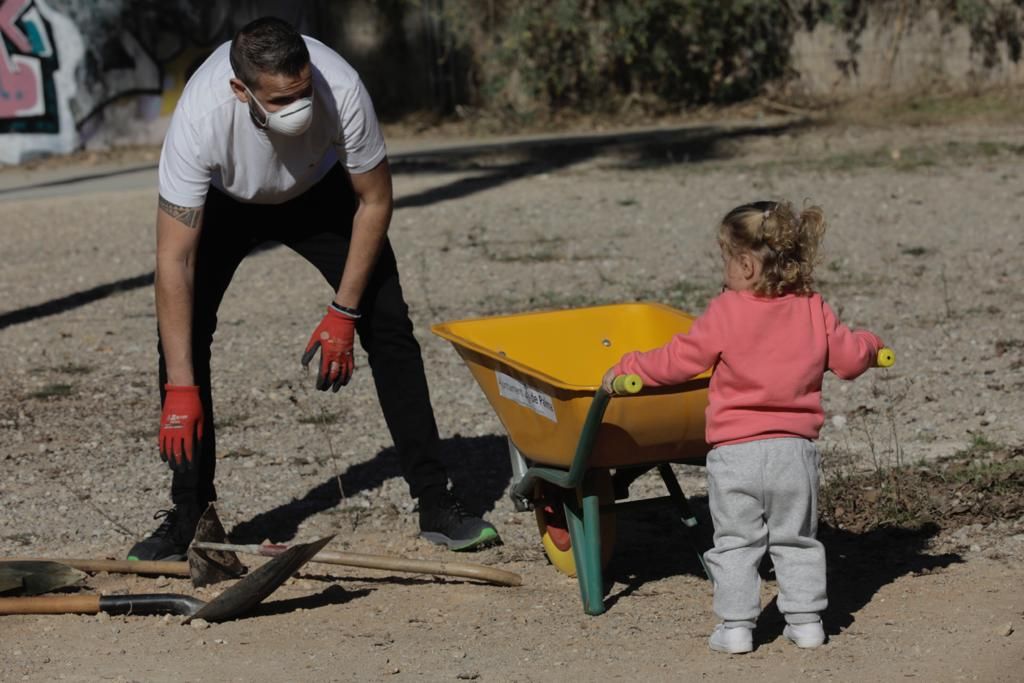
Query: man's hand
point(181, 427)
point(335, 337)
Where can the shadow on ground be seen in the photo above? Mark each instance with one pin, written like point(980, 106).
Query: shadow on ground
point(332, 595)
point(498, 164)
point(478, 468)
point(652, 545)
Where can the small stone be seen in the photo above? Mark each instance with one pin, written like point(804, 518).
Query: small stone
point(1005, 630)
point(102, 617)
point(839, 421)
point(975, 548)
point(199, 624)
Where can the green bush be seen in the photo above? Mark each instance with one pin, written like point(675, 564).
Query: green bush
point(595, 55)
point(591, 54)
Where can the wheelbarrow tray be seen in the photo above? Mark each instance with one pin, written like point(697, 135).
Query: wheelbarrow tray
point(540, 370)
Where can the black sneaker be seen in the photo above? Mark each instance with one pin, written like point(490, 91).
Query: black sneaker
point(444, 521)
point(171, 539)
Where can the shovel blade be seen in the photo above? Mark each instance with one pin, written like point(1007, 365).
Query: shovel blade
point(260, 583)
point(9, 584)
point(31, 577)
point(212, 566)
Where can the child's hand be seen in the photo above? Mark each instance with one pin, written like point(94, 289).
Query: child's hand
point(606, 381)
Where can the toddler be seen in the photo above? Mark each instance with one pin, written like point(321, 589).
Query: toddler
point(770, 338)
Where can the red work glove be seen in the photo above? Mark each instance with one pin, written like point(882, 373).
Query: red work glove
point(181, 427)
point(335, 337)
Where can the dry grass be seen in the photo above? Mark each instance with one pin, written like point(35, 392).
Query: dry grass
point(994, 107)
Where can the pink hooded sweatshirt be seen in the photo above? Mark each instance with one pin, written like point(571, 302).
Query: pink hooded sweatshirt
point(769, 356)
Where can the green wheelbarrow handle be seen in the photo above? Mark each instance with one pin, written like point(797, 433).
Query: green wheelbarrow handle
point(623, 384)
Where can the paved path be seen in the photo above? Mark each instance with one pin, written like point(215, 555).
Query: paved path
point(77, 178)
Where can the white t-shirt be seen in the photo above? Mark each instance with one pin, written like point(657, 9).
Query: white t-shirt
point(213, 140)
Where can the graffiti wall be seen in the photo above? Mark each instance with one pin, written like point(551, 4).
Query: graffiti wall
point(38, 53)
point(103, 72)
point(27, 97)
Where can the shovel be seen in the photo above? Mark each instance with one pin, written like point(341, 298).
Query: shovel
point(27, 577)
point(211, 560)
point(235, 601)
point(204, 568)
point(211, 541)
point(401, 564)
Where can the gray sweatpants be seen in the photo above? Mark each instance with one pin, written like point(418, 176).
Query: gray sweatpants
point(764, 495)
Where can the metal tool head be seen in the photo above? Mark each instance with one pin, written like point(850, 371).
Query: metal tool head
point(260, 583)
point(212, 566)
point(35, 577)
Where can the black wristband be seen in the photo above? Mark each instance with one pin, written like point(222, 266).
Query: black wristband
point(345, 310)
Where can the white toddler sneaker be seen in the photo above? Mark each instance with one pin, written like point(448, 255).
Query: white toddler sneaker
point(735, 641)
point(805, 635)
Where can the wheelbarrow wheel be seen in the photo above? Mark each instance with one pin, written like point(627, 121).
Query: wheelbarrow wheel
point(554, 533)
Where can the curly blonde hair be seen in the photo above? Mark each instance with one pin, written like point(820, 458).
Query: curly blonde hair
point(786, 243)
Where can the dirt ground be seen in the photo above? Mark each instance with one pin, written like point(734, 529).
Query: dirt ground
point(923, 248)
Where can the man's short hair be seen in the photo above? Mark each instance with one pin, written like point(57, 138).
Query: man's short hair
point(267, 46)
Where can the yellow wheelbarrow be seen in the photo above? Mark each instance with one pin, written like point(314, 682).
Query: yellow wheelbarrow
point(541, 373)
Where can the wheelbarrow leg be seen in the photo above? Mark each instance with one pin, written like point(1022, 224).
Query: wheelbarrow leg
point(574, 522)
point(584, 523)
point(688, 519)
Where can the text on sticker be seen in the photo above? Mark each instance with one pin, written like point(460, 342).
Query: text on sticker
point(516, 391)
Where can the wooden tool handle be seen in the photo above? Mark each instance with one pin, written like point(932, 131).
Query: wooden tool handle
point(399, 564)
point(125, 566)
point(402, 564)
point(131, 567)
point(51, 604)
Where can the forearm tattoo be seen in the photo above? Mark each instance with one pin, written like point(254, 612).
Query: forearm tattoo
point(190, 216)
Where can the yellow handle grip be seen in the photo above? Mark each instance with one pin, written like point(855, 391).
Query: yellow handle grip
point(886, 357)
point(627, 384)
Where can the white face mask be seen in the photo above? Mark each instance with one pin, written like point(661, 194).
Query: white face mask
point(291, 120)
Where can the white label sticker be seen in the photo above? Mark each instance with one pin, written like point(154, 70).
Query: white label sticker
point(537, 401)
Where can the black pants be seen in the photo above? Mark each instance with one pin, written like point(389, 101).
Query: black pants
point(318, 226)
